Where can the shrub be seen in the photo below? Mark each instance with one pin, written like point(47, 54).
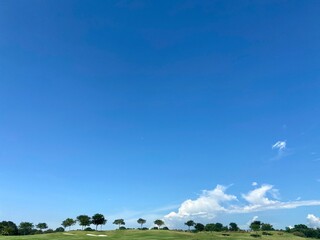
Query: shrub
point(60, 229)
point(299, 234)
point(165, 228)
point(225, 234)
point(267, 233)
point(89, 229)
point(122, 228)
point(255, 235)
point(49, 231)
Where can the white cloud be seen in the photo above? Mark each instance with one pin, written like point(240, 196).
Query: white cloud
point(313, 221)
point(212, 203)
point(281, 145)
point(254, 184)
point(207, 205)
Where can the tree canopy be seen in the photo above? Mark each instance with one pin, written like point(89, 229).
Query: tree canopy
point(98, 219)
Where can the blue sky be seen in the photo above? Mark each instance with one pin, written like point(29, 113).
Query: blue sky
point(171, 109)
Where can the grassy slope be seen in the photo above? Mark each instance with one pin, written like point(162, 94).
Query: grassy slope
point(149, 235)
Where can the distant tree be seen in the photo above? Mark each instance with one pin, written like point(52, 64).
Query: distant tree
point(233, 227)
point(98, 219)
point(199, 227)
point(84, 220)
point(119, 222)
point(159, 223)
point(218, 227)
point(255, 225)
point(59, 229)
point(68, 223)
point(42, 226)
point(266, 227)
point(8, 228)
point(210, 227)
point(141, 221)
point(25, 228)
point(190, 223)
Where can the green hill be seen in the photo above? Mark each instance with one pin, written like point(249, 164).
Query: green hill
point(149, 235)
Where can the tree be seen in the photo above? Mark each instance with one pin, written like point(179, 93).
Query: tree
point(119, 222)
point(218, 227)
point(68, 223)
point(98, 219)
point(25, 228)
point(8, 228)
point(190, 223)
point(42, 226)
point(84, 220)
point(255, 225)
point(59, 229)
point(159, 223)
point(141, 221)
point(199, 227)
point(233, 227)
point(266, 227)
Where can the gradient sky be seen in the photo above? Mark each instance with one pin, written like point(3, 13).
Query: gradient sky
point(130, 108)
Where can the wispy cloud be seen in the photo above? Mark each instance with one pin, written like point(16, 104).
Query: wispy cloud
point(282, 151)
point(281, 145)
point(212, 203)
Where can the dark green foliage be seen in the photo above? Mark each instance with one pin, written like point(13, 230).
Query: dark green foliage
point(122, 228)
point(233, 227)
point(255, 225)
point(88, 229)
point(84, 220)
point(59, 229)
point(190, 223)
point(267, 233)
point(8, 228)
point(266, 227)
point(159, 223)
point(199, 227)
point(49, 231)
point(225, 234)
point(42, 226)
point(98, 219)
point(165, 228)
point(217, 227)
point(141, 221)
point(255, 235)
point(68, 223)
point(119, 222)
point(25, 228)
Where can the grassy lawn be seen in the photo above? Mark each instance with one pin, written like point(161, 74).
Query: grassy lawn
point(149, 235)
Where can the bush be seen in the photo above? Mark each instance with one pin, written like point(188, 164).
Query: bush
point(255, 235)
point(154, 228)
point(165, 228)
point(225, 234)
point(267, 233)
point(122, 228)
point(49, 231)
point(89, 229)
point(299, 234)
point(60, 229)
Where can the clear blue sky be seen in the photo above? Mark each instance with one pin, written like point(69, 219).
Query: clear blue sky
point(130, 108)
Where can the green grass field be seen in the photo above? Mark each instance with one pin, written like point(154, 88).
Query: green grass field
point(149, 235)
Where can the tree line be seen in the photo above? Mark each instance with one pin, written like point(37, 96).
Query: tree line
point(257, 227)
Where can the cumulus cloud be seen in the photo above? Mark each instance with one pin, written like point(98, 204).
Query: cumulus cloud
point(212, 203)
point(254, 184)
point(313, 221)
point(207, 205)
